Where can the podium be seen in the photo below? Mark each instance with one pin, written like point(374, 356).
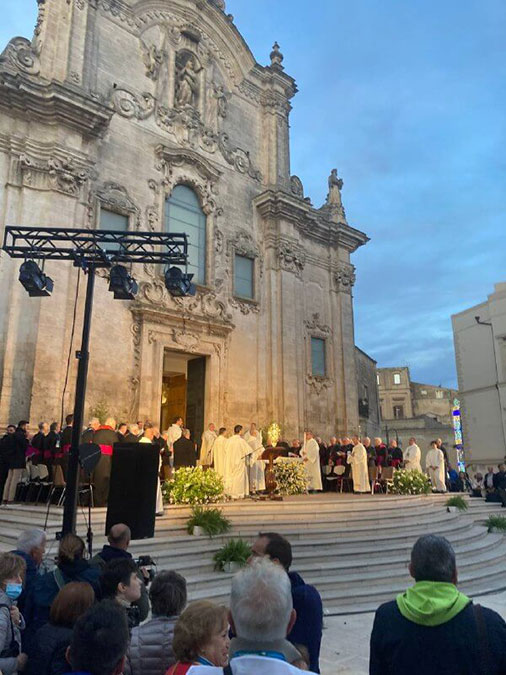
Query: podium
point(271, 454)
point(132, 488)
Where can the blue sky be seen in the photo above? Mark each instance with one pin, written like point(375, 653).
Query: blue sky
point(407, 98)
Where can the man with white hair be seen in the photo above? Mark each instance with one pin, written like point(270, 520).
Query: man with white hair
point(261, 615)
point(31, 546)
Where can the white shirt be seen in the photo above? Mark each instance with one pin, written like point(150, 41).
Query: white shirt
point(250, 664)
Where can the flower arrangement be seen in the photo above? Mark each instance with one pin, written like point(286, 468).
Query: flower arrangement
point(273, 434)
point(212, 521)
point(410, 483)
point(192, 485)
point(291, 477)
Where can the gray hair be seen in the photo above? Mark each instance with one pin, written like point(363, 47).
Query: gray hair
point(30, 539)
point(433, 559)
point(261, 601)
point(167, 594)
point(133, 429)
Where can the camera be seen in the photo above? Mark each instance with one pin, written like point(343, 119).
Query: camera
point(147, 562)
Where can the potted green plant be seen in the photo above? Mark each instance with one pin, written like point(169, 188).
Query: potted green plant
point(231, 557)
point(207, 521)
point(496, 524)
point(456, 503)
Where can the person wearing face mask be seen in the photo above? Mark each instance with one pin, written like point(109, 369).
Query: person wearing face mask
point(12, 570)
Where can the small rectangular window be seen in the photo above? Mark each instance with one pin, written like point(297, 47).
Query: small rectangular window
point(318, 365)
point(397, 378)
point(424, 392)
point(439, 393)
point(377, 379)
point(398, 412)
point(109, 220)
point(243, 277)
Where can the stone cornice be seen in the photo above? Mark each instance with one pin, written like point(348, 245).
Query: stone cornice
point(53, 103)
point(273, 204)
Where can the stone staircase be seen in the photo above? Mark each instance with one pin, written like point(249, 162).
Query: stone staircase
point(355, 550)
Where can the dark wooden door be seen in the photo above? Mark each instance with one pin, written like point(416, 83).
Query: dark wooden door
point(195, 397)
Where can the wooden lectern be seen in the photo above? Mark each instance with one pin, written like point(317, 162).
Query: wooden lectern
point(271, 454)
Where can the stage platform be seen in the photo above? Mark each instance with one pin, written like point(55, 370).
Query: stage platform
point(353, 548)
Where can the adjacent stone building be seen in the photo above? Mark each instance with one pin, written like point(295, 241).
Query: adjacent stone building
point(151, 114)
point(480, 349)
point(368, 396)
point(410, 408)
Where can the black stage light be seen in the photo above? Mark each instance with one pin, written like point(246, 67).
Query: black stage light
point(34, 280)
point(178, 283)
point(122, 284)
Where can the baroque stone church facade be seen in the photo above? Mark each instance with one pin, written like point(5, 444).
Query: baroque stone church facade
point(153, 115)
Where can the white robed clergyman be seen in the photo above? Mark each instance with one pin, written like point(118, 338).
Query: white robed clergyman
point(257, 465)
point(310, 454)
point(206, 449)
point(148, 437)
point(359, 469)
point(219, 453)
point(413, 456)
point(236, 474)
point(435, 465)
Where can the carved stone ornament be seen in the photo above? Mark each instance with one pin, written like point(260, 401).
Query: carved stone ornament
point(345, 277)
point(244, 306)
point(318, 383)
point(296, 187)
point(20, 55)
point(243, 244)
point(116, 197)
point(291, 259)
point(60, 174)
point(220, 4)
point(204, 305)
point(315, 325)
point(218, 241)
point(277, 57)
point(186, 126)
point(153, 58)
point(188, 341)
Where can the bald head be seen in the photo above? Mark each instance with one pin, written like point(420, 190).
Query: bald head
point(119, 536)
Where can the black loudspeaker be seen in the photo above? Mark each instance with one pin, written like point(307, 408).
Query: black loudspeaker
point(132, 488)
point(89, 456)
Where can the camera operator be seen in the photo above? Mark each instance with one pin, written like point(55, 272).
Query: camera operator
point(117, 549)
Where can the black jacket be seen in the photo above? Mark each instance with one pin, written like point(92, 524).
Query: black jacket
point(500, 480)
point(47, 652)
point(16, 452)
point(399, 646)
point(184, 452)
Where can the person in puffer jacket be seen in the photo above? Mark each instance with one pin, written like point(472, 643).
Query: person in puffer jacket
point(150, 651)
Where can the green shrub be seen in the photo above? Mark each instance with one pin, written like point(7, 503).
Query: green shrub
point(496, 523)
point(236, 550)
point(192, 485)
point(411, 482)
point(212, 521)
point(459, 502)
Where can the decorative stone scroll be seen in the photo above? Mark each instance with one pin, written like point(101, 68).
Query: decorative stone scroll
point(20, 55)
point(291, 258)
point(61, 174)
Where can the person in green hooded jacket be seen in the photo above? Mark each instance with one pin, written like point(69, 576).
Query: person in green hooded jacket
point(433, 628)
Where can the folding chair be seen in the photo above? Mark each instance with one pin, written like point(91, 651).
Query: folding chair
point(387, 477)
point(374, 478)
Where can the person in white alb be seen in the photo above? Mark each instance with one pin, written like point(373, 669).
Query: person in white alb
point(358, 460)
point(413, 456)
point(206, 449)
point(435, 465)
point(310, 454)
point(261, 589)
point(236, 475)
point(219, 456)
point(256, 465)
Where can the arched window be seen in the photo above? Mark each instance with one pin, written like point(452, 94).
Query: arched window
point(183, 214)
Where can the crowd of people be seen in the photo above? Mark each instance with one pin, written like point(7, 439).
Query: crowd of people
point(237, 455)
point(106, 616)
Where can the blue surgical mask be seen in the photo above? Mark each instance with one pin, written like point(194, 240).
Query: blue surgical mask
point(13, 591)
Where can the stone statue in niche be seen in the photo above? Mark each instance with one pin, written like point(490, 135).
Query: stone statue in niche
point(187, 83)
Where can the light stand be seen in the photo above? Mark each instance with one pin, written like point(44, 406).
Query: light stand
point(90, 250)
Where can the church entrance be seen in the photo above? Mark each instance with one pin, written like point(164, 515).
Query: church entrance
point(183, 391)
